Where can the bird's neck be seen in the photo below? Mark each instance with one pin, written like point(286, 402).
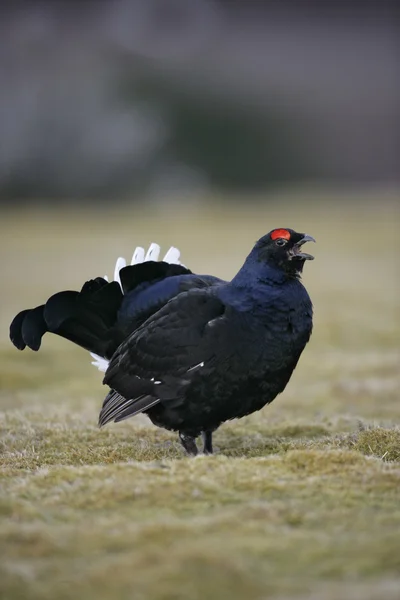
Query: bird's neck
point(260, 289)
point(255, 273)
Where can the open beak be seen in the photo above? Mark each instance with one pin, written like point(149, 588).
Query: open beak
point(303, 255)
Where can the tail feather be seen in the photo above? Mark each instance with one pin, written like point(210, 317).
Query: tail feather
point(33, 328)
point(137, 256)
point(16, 330)
point(84, 318)
point(172, 256)
point(120, 264)
point(99, 362)
point(153, 252)
point(60, 307)
point(90, 318)
point(132, 276)
point(88, 335)
point(107, 300)
point(93, 285)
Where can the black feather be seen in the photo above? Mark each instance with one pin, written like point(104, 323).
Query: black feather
point(59, 308)
point(117, 408)
point(92, 318)
point(135, 407)
point(107, 301)
point(86, 318)
point(132, 276)
point(93, 285)
point(16, 330)
point(33, 328)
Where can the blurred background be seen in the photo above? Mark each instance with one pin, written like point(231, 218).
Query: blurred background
point(153, 99)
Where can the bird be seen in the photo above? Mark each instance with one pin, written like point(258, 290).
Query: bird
point(190, 351)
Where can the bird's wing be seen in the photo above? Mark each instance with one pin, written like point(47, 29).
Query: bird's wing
point(160, 359)
point(149, 296)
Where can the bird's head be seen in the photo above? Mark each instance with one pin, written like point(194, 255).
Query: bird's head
point(282, 248)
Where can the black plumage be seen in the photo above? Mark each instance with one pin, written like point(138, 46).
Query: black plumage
point(190, 351)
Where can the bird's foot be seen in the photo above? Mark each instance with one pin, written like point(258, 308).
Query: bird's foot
point(189, 443)
point(207, 441)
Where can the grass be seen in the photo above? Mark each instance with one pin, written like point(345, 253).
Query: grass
point(302, 500)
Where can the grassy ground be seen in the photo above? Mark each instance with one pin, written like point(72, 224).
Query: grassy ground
point(302, 499)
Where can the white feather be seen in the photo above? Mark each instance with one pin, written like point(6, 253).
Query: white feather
point(198, 366)
point(172, 256)
point(138, 256)
point(120, 264)
point(99, 362)
point(153, 252)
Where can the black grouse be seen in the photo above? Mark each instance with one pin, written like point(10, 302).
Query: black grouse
point(190, 351)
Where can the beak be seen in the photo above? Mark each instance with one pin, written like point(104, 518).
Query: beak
point(303, 255)
point(305, 238)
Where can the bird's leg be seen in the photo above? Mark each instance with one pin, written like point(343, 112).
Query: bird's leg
point(189, 443)
point(207, 441)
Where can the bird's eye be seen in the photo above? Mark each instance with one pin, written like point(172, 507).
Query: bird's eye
point(280, 242)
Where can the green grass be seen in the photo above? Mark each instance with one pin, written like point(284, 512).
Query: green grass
point(302, 500)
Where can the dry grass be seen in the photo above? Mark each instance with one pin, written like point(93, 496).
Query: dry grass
point(301, 501)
